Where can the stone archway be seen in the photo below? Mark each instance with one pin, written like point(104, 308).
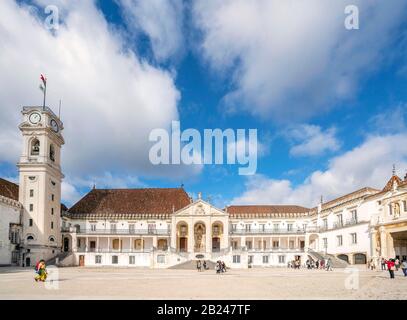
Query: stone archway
point(199, 237)
point(343, 257)
point(182, 236)
point(217, 234)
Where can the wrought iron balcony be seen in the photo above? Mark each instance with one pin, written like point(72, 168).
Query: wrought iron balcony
point(266, 231)
point(165, 232)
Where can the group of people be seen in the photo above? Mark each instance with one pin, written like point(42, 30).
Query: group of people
point(40, 271)
point(220, 266)
point(323, 264)
point(200, 265)
point(295, 264)
point(394, 265)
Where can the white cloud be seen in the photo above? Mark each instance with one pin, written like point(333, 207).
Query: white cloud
point(368, 165)
point(311, 140)
point(111, 99)
point(293, 59)
point(161, 21)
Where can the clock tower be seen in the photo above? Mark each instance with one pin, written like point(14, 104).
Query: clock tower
point(40, 180)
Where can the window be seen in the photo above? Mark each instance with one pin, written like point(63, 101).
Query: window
point(14, 257)
point(262, 227)
point(35, 147)
point(291, 245)
point(236, 259)
point(115, 259)
point(52, 225)
point(131, 228)
point(30, 222)
point(52, 211)
point(250, 259)
point(151, 228)
point(51, 239)
point(390, 209)
point(116, 244)
point(249, 245)
point(234, 227)
point(265, 259)
point(31, 193)
point(52, 152)
point(161, 258)
point(354, 214)
point(340, 220)
point(30, 238)
point(339, 240)
point(248, 227)
point(93, 227)
point(405, 206)
point(325, 221)
point(325, 242)
point(275, 244)
point(132, 259)
point(281, 259)
point(31, 207)
point(113, 227)
point(98, 259)
point(353, 238)
point(52, 197)
point(275, 226)
point(289, 227)
point(14, 237)
point(78, 243)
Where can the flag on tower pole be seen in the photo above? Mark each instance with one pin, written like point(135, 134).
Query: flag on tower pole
point(43, 88)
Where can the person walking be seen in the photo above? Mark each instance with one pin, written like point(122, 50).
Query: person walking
point(404, 267)
point(397, 264)
point(383, 263)
point(317, 264)
point(198, 265)
point(204, 265)
point(391, 267)
point(329, 265)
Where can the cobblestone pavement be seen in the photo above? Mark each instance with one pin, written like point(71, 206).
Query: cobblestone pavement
point(258, 283)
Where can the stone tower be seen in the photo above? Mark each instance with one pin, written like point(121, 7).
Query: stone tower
point(40, 180)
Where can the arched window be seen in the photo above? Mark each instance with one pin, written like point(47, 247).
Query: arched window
point(35, 147)
point(51, 239)
point(30, 238)
point(52, 152)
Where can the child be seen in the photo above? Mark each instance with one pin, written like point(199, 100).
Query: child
point(41, 271)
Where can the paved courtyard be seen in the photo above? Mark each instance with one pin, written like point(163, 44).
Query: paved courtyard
point(109, 283)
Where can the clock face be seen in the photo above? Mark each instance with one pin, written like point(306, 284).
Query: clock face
point(35, 118)
point(54, 125)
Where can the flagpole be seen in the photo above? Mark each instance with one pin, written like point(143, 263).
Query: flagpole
point(45, 94)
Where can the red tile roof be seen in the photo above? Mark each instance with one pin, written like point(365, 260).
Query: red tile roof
point(8, 189)
point(131, 201)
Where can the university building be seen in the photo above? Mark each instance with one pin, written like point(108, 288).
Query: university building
point(164, 227)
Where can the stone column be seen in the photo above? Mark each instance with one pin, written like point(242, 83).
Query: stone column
point(191, 239)
point(208, 237)
point(174, 232)
point(383, 243)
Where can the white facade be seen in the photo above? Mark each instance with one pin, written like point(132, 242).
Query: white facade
point(10, 214)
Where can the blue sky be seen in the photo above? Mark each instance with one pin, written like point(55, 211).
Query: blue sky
point(329, 104)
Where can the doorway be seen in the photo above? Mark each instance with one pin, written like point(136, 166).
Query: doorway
point(66, 244)
point(81, 260)
point(183, 244)
point(215, 244)
point(28, 262)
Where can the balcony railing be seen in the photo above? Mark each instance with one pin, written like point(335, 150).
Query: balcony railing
point(266, 231)
point(165, 232)
point(105, 250)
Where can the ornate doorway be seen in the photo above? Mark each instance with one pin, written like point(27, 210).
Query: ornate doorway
point(215, 244)
point(199, 235)
point(183, 244)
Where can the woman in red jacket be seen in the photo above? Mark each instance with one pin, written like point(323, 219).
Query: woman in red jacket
point(391, 267)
